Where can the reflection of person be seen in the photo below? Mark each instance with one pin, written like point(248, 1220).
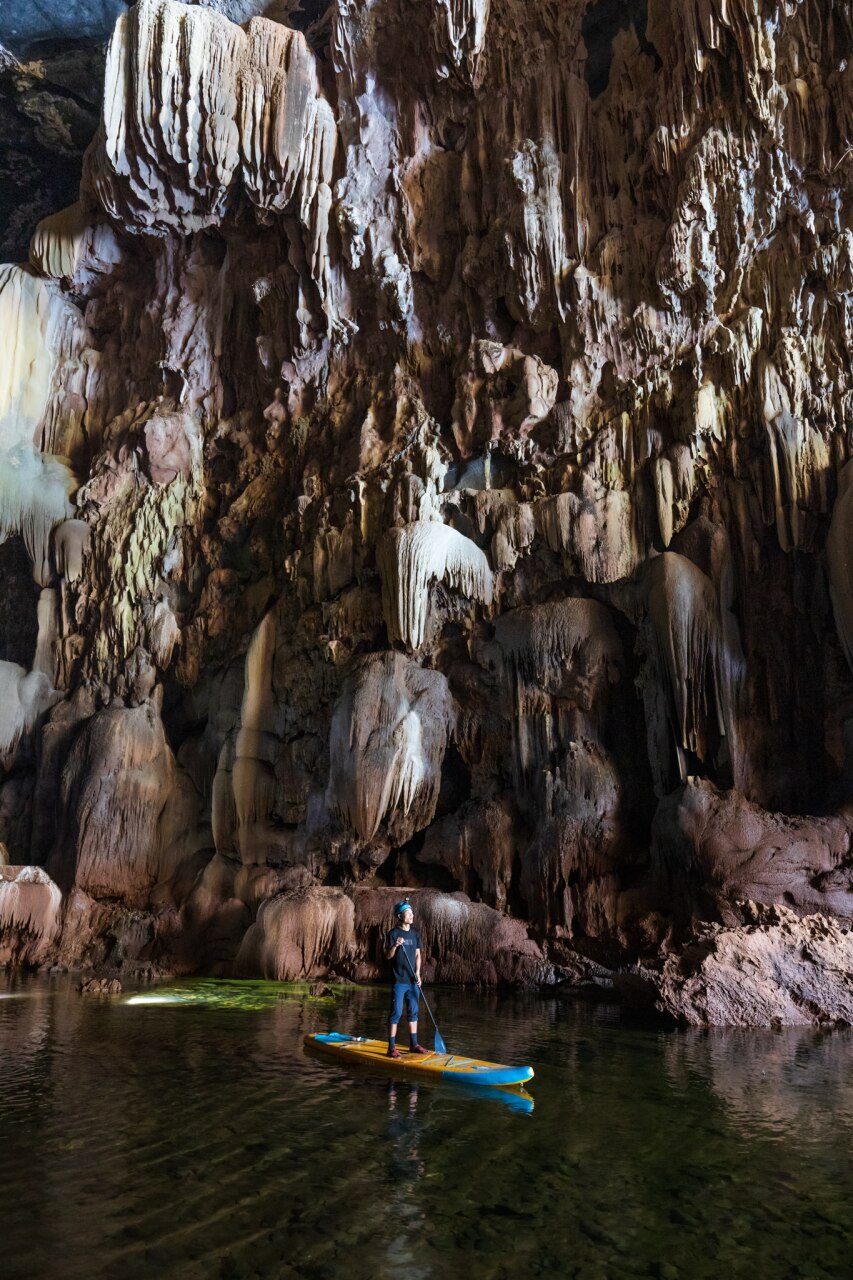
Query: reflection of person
point(403, 949)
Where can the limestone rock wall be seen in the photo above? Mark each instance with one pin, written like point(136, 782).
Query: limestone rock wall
point(426, 433)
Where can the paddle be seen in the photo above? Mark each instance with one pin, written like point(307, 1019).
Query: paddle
point(440, 1046)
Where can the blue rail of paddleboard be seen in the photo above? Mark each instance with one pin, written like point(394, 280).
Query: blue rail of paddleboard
point(497, 1076)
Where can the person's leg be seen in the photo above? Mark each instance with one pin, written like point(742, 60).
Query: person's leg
point(413, 996)
point(398, 992)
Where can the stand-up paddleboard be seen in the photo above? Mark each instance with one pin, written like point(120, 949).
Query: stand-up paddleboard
point(434, 1066)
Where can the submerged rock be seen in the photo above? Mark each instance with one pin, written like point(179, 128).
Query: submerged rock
point(101, 987)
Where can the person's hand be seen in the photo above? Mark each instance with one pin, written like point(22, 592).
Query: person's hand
point(418, 979)
point(398, 943)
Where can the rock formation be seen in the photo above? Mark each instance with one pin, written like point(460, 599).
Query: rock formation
point(777, 970)
point(423, 463)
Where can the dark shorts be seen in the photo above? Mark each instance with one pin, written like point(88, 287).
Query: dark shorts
point(407, 993)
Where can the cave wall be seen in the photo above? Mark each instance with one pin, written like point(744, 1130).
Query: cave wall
point(427, 432)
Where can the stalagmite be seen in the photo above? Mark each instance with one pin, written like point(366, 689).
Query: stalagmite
point(411, 559)
point(299, 934)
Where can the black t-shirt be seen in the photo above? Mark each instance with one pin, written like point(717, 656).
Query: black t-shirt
point(405, 955)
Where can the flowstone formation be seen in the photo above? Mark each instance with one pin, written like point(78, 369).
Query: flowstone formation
point(424, 464)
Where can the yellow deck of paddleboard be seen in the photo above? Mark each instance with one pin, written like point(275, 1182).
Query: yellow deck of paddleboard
point(436, 1066)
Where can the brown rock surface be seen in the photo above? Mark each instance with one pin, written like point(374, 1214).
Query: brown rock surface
point(779, 969)
point(426, 436)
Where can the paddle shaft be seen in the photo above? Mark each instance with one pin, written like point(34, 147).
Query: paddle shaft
point(440, 1046)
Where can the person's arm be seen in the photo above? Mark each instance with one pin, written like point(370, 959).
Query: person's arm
point(418, 966)
point(391, 948)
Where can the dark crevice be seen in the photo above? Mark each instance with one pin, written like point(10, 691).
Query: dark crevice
point(20, 595)
point(602, 22)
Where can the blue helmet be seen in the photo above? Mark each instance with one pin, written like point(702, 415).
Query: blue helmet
point(400, 907)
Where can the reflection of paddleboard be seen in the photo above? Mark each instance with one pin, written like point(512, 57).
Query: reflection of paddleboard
point(435, 1066)
point(514, 1099)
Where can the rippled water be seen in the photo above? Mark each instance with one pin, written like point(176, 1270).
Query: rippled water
point(195, 1138)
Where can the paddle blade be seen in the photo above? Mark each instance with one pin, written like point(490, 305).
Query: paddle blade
point(440, 1046)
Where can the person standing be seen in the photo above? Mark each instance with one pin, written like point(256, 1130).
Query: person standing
point(403, 949)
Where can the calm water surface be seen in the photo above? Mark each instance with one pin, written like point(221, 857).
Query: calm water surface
point(196, 1139)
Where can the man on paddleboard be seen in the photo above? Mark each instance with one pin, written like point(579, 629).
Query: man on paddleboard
point(403, 949)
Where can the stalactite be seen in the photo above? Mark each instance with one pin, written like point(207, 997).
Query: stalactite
point(71, 541)
point(24, 698)
point(244, 783)
point(34, 498)
point(388, 735)
point(30, 905)
point(560, 660)
point(193, 106)
point(697, 658)
point(43, 333)
point(799, 464)
point(597, 530)
point(49, 630)
point(461, 29)
point(412, 559)
point(255, 747)
point(57, 242)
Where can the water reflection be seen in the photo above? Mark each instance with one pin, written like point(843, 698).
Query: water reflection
point(405, 1168)
point(775, 1081)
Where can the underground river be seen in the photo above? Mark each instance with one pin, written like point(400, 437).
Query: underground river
point(184, 1132)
